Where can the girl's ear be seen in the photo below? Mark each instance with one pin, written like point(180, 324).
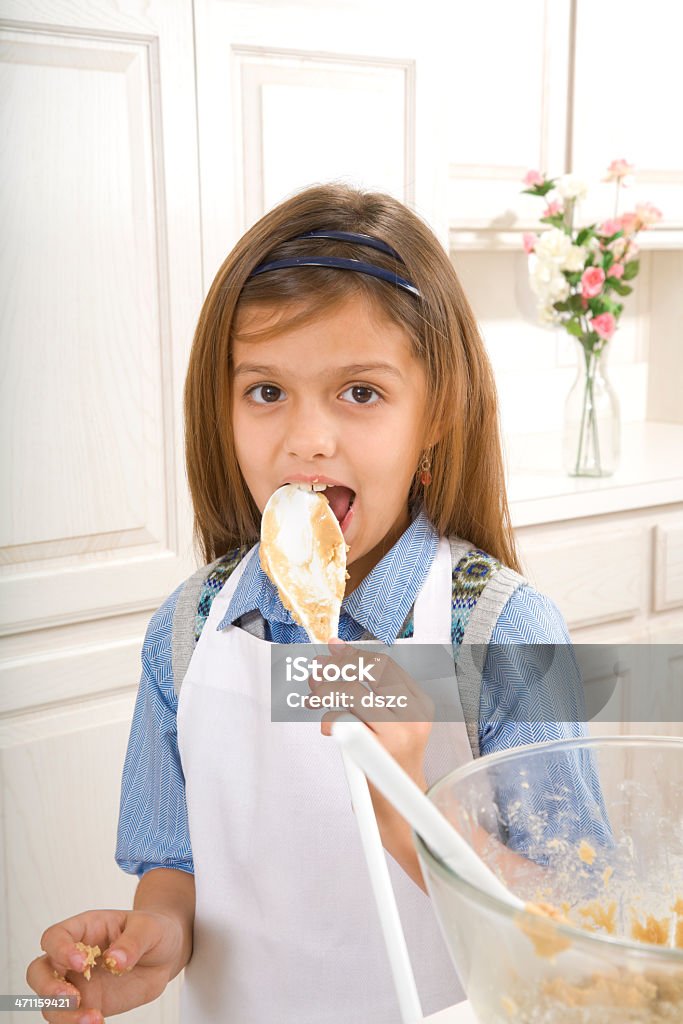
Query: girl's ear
point(433, 436)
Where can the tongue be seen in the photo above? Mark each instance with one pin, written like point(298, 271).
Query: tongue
point(339, 498)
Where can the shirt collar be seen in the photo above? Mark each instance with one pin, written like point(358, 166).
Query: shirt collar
point(380, 603)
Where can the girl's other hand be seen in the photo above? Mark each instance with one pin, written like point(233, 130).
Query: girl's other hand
point(140, 953)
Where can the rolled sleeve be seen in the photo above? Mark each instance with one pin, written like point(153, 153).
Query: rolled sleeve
point(153, 827)
point(527, 695)
point(532, 692)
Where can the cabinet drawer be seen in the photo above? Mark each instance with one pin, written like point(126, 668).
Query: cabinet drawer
point(592, 577)
point(668, 589)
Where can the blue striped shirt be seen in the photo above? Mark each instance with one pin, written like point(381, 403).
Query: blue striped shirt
point(153, 826)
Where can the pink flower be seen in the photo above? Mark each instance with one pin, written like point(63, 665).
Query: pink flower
point(533, 178)
point(624, 249)
point(610, 227)
point(529, 242)
point(630, 223)
point(618, 169)
point(604, 325)
point(592, 281)
point(648, 214)
point(552, 209)
point(616, 270)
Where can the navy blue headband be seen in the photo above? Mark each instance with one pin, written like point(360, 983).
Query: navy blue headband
point(339, 262)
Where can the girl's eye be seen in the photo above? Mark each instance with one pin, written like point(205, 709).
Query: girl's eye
point(268, 397)
point(363, 395)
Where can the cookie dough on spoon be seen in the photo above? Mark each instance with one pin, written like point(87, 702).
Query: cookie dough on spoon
point(303, 552)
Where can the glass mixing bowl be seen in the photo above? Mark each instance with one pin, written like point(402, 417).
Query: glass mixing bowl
point(593, 830)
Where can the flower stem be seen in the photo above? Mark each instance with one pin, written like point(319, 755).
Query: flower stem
point(582, 428)
point(593, 413)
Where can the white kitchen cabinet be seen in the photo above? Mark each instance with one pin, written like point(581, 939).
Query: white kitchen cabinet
point(609, 553)
point(627, 85)
point(101, 271)
point(289, 97)
point(615, 577)
point(563, 87)
point(507, 85)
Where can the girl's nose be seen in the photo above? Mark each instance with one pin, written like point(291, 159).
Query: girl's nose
point(310, 433)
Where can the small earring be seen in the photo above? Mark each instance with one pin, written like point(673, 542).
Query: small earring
point(425, 467)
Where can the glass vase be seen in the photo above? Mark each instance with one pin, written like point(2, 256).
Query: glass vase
point(592, 428)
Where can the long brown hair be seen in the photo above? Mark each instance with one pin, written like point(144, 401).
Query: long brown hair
point(467, 495)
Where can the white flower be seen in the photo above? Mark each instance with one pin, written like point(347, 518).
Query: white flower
point(575, 259)
point(553, 246)
point(546, 279)
point(571, 187)
point(559, 289)
point(549, 285)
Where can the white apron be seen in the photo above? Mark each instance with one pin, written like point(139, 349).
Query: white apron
point(286, 929)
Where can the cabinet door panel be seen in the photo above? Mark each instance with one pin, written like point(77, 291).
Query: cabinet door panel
point(668, 566)
point(286, 101)
point(507, 82)
point(98, 268)
point(627, 87)
point(60, 812)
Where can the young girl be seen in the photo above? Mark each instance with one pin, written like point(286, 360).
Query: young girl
point(335, 346)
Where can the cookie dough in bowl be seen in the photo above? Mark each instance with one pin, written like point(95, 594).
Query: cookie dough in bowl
point(589, 833)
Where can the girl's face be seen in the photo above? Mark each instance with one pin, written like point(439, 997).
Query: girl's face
point(341, 398)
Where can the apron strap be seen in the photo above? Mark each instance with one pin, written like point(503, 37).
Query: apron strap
point(193, 606)
point(184, 618)
point(481, 589)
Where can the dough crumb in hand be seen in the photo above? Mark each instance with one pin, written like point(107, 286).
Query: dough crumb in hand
point(111, 965)
point(91, 954)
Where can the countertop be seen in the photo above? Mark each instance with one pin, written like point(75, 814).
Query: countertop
point(650, 473)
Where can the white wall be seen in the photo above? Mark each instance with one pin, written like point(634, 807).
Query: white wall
point(534, 365)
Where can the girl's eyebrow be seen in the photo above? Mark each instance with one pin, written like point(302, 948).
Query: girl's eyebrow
point(356, 369)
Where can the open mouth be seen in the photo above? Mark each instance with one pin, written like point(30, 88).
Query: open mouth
point(341, 500)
